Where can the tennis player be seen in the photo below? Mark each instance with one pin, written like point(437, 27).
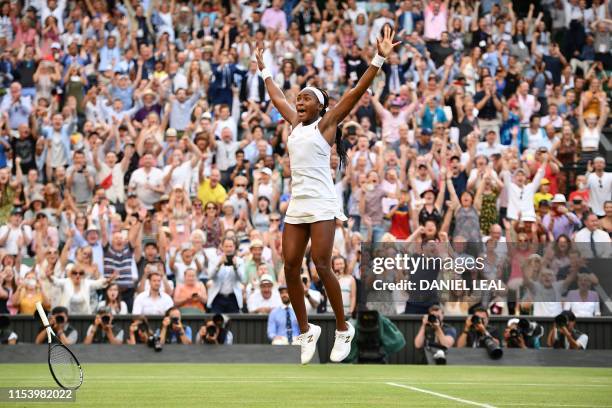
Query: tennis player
point(314, 205)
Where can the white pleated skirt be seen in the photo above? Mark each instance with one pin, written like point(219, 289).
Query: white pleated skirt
point(309, 210)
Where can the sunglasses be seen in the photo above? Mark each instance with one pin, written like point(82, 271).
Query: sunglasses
point(211, 208)
point(52, 252)
point(241, 185)
point(78, 273)
point(197, 204)
point(274, 219)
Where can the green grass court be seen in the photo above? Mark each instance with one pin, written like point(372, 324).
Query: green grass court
point(200, 385)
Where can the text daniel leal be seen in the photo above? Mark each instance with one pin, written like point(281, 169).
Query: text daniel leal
point(452, 284)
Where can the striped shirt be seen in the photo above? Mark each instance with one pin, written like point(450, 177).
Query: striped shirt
point(123, 262)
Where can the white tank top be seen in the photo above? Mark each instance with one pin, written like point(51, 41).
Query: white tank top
point(309, 155)
point(590, 138)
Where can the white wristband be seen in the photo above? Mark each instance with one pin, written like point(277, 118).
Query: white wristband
point(378, 60)
point(265, 74)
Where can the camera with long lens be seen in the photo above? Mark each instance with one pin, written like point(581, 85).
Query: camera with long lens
point(59, 319)
point(174, 320)
point(493, 349)
point(476, 320)
point(561, 320)
point(432, 318)
point(105, 319)
point(528, 328)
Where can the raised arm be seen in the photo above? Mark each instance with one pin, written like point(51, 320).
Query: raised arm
point(279, 101)
point(337, 114)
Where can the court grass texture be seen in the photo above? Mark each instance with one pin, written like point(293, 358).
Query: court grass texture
point(263, 385)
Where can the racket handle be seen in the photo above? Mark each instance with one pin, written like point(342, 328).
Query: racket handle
point(42, 314)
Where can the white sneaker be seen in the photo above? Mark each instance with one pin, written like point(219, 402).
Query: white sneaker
point(342, 344)
point(308, 342)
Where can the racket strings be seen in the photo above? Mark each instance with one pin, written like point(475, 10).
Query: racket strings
point(64, 366)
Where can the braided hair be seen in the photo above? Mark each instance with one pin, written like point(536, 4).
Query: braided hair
point(340, 147)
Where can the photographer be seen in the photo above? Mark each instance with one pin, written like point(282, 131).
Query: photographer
point(434, 336)
point(521, 333)
point(139, 332)
point(564, 334)
point(103, 331)
point(227, 277)
point(59, 323)
point(477, 332)
point(172, 330)
point(215, 331)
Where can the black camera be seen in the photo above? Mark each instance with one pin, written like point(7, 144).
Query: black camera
point(106, 319)
point(174, 320)
point(561, 320)
point(493, 349)
point(154, 342)
point(476, 320)
point(211, 330)
point(230, 260)
point(432, 318)
point(59, 319)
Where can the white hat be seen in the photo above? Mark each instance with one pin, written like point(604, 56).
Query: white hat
point(513, 321)
point(559, 199)
point(266, 170)
point(265, 278)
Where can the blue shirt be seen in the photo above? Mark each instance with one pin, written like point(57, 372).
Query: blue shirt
point(173, 337)
point(277, 323)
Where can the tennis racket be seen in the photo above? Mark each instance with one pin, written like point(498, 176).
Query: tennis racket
point(63, 364)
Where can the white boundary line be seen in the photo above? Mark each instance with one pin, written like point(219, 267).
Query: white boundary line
point(437, 394)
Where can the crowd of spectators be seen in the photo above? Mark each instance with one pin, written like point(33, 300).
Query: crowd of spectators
point(144, 170)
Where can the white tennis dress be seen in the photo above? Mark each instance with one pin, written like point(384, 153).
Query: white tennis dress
point(313, 195)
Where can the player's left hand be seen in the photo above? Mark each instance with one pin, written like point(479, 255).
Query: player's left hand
point(385, 44)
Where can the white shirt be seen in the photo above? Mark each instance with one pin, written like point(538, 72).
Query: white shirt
point(520, 199)
point(230, 123)
point(226, 154)
point(599, 236)
point(600, 191)
point(485, 149)
point(140, 178)
point(583, 309)
point(314, 295)
point(181, 175)
point(11, 245)
point(116, 192)
point(256, 300)
point(144, 304)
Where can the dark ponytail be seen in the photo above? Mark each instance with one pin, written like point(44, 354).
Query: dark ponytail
point(340, 148)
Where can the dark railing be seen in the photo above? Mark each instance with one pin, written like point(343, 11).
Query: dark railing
point(251, 329)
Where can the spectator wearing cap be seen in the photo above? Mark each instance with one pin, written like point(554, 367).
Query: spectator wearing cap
point(283, 327)
point(263, 298)
point(543, 193)
point(15, 236)
point(150, 104)
point(560, 221)
point(599, 183)
point(255, 261)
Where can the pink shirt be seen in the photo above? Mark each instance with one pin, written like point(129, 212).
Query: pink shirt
point(274, 19)
point(435, 24)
